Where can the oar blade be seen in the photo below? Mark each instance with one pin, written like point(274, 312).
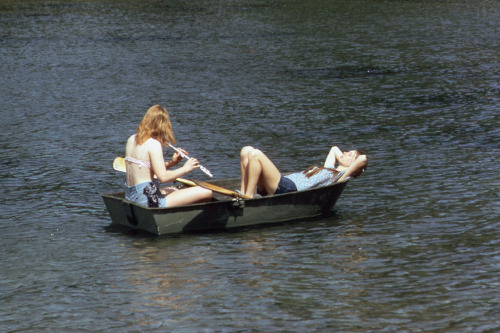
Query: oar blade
point(119, 164)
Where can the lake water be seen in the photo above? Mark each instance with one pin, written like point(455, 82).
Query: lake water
point(414, 243)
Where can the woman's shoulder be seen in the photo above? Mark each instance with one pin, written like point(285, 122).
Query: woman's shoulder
point(131, 138)
point(153, 143)
point(130, 142)
point(148, 144)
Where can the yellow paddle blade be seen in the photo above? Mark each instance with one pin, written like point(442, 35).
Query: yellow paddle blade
point(119, 164)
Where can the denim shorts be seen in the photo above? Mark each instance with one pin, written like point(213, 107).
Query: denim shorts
point(136, 194)
point(285, 185)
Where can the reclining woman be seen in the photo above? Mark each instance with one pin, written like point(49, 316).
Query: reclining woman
point(258, 172)
point(144, 160)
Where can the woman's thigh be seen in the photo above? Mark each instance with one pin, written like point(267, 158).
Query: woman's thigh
point(188, 196)
point(270, 175)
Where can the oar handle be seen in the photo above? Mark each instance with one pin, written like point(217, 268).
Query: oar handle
point(202, 168)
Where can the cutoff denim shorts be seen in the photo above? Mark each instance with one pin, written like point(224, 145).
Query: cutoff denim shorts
point(136, 194)
point(285, 185)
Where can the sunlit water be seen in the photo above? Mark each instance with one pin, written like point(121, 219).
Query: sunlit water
point(413, 245)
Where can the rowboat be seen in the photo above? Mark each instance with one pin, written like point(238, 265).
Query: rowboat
point(223, 212)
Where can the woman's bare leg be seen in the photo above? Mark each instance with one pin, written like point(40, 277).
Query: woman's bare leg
point(244, 156)
point(257, 170)
point(188, 196)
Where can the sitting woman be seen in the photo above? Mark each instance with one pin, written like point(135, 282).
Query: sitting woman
point(144, 160)
point(258, 172)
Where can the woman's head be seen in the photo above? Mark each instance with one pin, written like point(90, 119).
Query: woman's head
point(155, 124)
point(348, 157)
point(361, 164)
point(346, 160)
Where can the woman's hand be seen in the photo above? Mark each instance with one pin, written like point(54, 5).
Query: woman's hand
point(191, 164)
point(176, 158)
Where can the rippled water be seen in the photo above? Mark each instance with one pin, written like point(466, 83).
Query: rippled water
point(413, 245)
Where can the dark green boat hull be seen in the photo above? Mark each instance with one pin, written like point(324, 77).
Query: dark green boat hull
point(223, 212)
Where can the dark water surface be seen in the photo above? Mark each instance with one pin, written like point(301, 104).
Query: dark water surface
point(414, 244)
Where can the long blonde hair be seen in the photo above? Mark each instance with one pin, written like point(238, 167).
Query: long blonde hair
point(155, 124)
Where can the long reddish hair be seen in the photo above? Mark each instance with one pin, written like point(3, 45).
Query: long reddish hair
point(155, 124)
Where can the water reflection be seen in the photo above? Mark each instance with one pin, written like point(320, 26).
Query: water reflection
point(185, 276)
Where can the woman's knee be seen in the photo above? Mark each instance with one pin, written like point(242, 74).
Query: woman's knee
point(245, 151)
point(205, 193)
point(201, 193)
point(255, 154)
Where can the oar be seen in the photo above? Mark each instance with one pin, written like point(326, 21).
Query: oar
point(119, 165)
point(216, 188)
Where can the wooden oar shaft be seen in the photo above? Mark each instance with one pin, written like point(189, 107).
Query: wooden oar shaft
point(186, 181)
point(221, 190)
point(119, 165)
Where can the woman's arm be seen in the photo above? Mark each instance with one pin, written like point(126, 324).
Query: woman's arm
point(176, 158)
point(158, 165)
point(334, 154)
point(356, 168)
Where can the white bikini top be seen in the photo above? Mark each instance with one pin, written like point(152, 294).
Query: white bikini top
point(141, 162)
